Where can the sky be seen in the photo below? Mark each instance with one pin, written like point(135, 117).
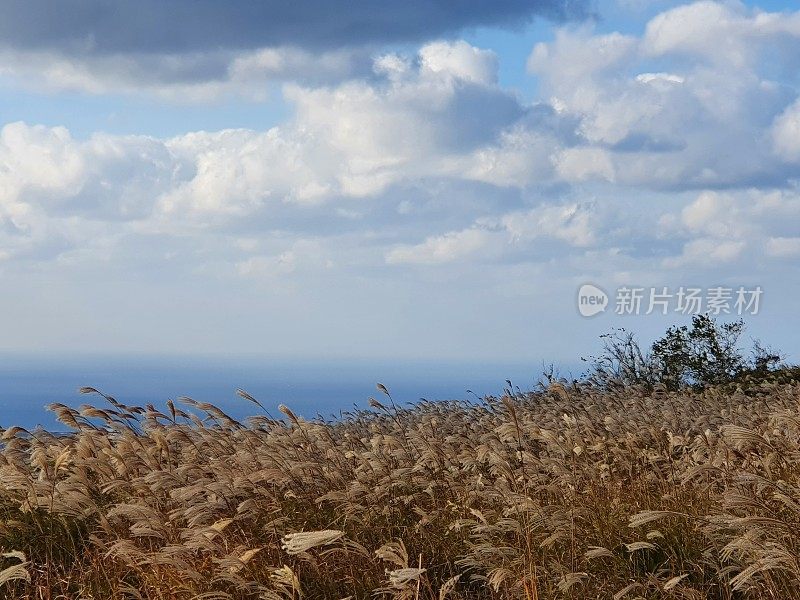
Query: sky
point(420, 180)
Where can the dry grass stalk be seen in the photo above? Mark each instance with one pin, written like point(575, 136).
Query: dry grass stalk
point(567, 493)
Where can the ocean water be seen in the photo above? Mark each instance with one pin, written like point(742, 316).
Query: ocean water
point(309, 388)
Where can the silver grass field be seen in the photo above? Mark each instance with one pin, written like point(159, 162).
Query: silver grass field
point(567, 492)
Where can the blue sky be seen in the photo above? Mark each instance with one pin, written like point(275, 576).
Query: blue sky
point(324, 181)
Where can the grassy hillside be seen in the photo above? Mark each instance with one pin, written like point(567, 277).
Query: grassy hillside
point(568, 493)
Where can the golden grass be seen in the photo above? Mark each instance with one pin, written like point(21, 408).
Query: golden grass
point(567, 493)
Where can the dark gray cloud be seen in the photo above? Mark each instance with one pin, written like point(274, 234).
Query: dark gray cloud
point(184, 26)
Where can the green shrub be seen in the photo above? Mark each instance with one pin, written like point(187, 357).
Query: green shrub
point(705, 353)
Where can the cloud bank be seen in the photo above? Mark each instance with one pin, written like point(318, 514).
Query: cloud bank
point(643, 159)
point(186, 26)
point(206, 48)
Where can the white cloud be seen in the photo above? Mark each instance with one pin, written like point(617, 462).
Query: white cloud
point(38, 159)
point(719, 226)
point(355, 154)
point(435, 250)
point(580, 164)
point(578, 55)
point(572, 223)
point(440, 115)
point(56, 192)
point(354, 139)
point(181, 78)
point(643, 158)
point(511, 232)
point(460, 60)
point(521, 157)
point(659, 78)
point(706, 29)
point(236, 172)
point(725, 33)
point(707, 252)
point(700, 122)
point(784, 247)
point(714, 214)
point(302, 255)
point(786, 133)
point(586, 75)
point(105, 176)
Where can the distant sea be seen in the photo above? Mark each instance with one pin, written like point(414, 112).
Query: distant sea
point(309, 388)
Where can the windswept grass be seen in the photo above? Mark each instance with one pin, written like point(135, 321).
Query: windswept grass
point(567, 493)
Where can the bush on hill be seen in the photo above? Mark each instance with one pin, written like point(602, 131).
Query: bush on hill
point(703, 354)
